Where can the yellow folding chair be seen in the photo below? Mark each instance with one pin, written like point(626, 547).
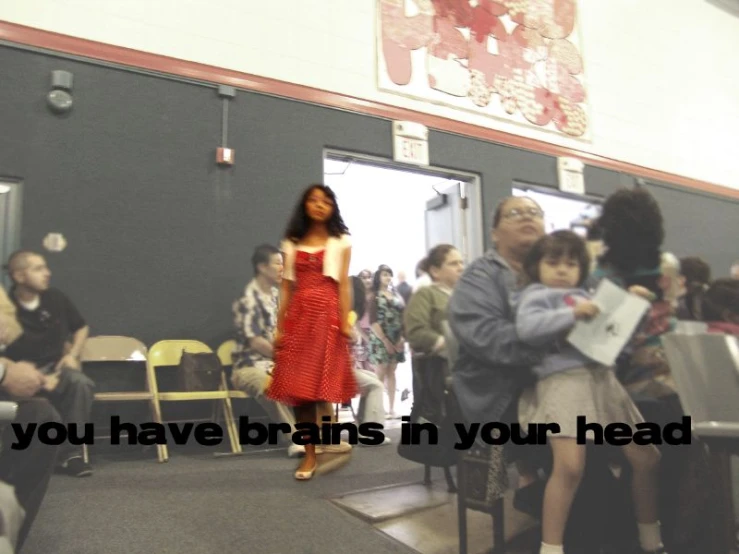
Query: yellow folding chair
point(225, 355)
point(168, 353)
point(113, 348)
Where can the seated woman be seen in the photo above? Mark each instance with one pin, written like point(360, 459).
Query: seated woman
point(427, 308)
point(423, 319)
point(633, 234)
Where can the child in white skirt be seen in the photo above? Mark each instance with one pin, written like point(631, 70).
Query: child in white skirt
point(569, 384)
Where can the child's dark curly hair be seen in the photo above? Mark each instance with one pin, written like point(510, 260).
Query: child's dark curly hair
point(633, 230)
point(559, 244)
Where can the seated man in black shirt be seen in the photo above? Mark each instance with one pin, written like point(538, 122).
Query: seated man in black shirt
point(49, 320)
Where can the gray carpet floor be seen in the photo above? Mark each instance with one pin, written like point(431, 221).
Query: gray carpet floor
point(198, 504)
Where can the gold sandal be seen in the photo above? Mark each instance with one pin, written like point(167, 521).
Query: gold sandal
point(306, 475)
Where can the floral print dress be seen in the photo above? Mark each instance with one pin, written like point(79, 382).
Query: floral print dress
point(388, 312)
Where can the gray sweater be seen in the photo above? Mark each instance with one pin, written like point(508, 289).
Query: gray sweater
point(543, 319)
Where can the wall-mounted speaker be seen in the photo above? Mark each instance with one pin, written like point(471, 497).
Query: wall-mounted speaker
point(62, 79)
point(59, 98)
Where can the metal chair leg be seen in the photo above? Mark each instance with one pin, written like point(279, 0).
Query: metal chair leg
point(461, 509)
point(451, 487)
point(427, 475)
point(498, 528)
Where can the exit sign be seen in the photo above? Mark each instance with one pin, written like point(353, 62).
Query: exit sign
point(411, 150)
point(410, 143)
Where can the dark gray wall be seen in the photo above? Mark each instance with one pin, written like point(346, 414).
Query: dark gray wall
point(160, 238)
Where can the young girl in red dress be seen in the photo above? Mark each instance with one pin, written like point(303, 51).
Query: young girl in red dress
point(313, 362)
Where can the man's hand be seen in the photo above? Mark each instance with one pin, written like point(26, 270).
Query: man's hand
point(22, 379)
point(69, 362)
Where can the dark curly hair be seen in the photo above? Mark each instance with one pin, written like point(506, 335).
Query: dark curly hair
point(695, 270)
point(299, 223)
point(559, 243)
point(595, 230)
point(633, 231)
point(359, 297)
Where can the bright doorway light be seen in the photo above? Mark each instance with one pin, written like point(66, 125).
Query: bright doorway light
point(561, 211)
point(384, 210)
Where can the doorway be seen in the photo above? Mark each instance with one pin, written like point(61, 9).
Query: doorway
point(396, 213)
point(562, 210)
point(10, 221)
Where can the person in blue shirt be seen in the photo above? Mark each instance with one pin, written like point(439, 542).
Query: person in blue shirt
point(569, 384)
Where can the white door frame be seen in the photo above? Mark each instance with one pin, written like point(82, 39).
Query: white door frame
point(10, 221)
point(471, 192)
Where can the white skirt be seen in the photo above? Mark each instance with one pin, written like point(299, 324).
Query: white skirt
point(561, 397)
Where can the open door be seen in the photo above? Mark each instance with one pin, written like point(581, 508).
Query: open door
point(446, 219)
point(10, 222)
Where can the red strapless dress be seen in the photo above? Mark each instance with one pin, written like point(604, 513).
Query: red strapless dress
point(313, 361)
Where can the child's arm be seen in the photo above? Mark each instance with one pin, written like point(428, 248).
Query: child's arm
point(539, 321)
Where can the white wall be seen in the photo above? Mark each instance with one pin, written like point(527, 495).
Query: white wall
point(662, 75)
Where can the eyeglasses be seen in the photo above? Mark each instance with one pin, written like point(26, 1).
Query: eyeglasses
point(517, 214)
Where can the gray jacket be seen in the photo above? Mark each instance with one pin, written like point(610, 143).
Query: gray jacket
point(493, 365)
point(543, 319)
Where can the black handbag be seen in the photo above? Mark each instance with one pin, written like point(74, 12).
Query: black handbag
point(199, 372)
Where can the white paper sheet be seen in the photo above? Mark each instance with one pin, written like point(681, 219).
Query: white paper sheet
point(603, 337)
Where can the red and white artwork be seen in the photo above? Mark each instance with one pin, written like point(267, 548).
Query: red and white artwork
point(513, 59)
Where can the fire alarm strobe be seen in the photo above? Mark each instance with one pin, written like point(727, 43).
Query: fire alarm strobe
point(225, 156)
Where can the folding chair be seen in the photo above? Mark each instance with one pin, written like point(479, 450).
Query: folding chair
point(705, 368)
point(123, 350)
point(8, 411)
point(472, 472)
point(225, 354)
point(168, 353)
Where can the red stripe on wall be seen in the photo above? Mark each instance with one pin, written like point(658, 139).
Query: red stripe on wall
point(30, 36)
